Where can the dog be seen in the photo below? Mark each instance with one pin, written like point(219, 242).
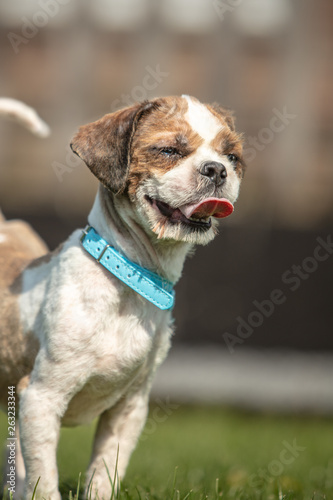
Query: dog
point(84, 328)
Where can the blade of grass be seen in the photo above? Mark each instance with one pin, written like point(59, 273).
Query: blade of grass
point(188, 495)
point(217, 488)
point(115, 477)
point(35, 489)
point(137, 489)
point(110, 480)
point(78, 487)
point(174, 482)
point(90, 486)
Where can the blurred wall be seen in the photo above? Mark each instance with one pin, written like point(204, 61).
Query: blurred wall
point(269, 60)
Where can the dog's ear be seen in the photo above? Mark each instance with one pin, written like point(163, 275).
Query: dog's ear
point(105, 145)
point(226, 114)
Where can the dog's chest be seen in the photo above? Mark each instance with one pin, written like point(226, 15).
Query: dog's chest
point(120, 360)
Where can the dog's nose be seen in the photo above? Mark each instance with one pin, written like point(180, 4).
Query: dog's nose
point(215, 171)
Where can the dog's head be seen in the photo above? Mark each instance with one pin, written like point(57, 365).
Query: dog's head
point(177, 160)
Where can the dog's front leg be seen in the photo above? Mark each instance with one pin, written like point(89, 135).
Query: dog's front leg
point(39, 428)
point(42, 404)
point(118, 428)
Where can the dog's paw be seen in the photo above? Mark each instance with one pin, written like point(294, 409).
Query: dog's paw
point(42, 493)
point(101, 487)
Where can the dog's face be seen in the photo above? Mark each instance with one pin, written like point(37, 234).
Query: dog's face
point(178, 161)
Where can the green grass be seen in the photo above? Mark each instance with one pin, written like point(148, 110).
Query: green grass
point(215, 453)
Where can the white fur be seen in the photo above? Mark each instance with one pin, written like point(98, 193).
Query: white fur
point(202, 121)
point(20, 112)
point(178, 194)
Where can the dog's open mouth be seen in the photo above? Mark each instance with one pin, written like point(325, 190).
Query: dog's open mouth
point(197, 215)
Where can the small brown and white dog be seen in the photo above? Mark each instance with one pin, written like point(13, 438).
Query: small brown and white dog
point(77, 342)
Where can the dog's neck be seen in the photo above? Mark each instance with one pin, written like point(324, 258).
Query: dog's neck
point(114, 218)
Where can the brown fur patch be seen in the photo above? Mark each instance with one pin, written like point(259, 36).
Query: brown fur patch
point(229, 142)
point(19, 246)
point(165, 128)
point(226, 115)
point(104, 145)
point(226, 142)
point(23, 384)
point(18, 351)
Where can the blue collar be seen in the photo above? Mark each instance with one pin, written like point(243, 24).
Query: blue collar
point(149, 285)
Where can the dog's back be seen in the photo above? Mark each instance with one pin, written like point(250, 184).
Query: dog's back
point(19, 245)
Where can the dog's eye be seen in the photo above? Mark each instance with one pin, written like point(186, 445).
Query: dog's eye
point(233, 158)
point(170, 152)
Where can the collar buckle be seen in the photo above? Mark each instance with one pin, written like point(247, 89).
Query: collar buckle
point(103, 252)
point(85, 232)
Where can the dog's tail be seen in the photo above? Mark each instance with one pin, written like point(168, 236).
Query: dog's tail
point(20, 112)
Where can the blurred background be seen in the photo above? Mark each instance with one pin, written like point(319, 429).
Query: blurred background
point(271, 61)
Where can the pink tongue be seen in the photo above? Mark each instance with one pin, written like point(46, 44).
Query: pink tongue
point(211, 207)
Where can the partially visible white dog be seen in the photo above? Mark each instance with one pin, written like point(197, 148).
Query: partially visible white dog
point(83, 329)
